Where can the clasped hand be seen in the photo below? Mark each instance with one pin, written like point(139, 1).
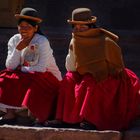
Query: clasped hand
point(23, 43)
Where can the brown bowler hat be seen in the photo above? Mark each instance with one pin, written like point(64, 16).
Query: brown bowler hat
point(29, 13)
point(82, 16)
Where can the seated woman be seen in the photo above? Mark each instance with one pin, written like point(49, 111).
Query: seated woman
point(97, 92)
point(31, 78)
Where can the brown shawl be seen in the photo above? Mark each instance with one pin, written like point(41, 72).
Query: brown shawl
point(96, 52)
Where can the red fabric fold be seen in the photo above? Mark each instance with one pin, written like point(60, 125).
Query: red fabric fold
point(110, 104)
point(37, 91)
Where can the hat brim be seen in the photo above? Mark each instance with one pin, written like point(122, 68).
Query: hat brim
point(93, 20)
point(18, 16)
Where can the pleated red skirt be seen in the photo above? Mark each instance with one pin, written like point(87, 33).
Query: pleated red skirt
point(36, 91)
point(111, 104)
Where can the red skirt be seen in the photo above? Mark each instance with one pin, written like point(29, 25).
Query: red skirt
point(37, 91)
point(111, 104)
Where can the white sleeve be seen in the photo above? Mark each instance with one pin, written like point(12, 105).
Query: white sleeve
point(70, 61)
point(13, 57)
point(46, 60)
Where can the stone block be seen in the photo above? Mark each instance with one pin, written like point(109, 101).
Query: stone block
point(38, 133)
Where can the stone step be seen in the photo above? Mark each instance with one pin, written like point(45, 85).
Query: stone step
point(35, 133)
point(8, 132)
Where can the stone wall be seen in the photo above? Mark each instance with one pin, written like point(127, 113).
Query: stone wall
point(118, 14)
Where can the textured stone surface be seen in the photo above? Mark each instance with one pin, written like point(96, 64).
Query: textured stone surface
point(30, 133)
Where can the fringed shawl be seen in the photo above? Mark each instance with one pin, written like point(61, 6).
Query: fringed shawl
point(96, 52)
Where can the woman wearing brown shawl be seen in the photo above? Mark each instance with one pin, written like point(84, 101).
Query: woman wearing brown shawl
point(97, 92)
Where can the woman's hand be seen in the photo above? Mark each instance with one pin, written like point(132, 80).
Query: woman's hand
point(23, 43)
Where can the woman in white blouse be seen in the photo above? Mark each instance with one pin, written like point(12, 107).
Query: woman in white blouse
point(31, 78)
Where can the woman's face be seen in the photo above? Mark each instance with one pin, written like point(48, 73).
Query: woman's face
point(80, 28)
point(26, 30)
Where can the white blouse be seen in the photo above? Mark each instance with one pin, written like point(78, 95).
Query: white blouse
point(70, 61)
point(46, 59)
